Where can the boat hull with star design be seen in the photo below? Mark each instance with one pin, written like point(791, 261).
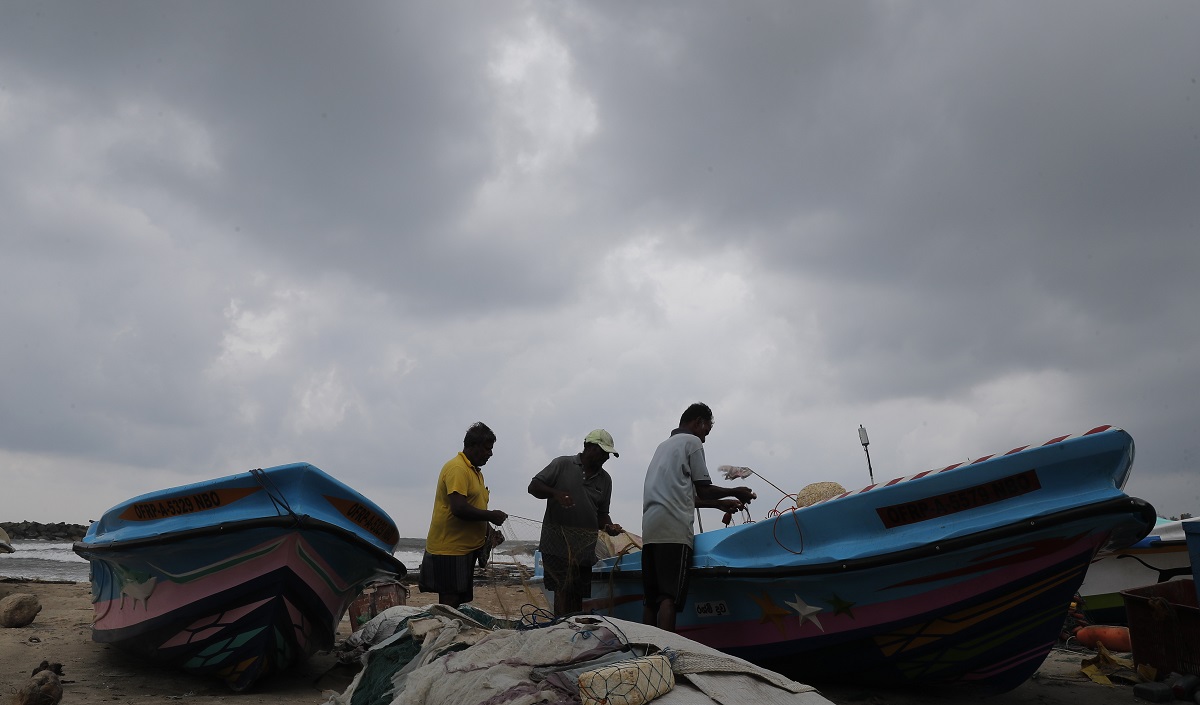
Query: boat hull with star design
point(237, 577)
point(958, 577)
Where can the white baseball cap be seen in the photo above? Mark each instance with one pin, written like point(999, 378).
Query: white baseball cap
point(603, 439)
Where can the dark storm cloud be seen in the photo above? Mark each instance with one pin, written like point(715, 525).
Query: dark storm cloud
point(1023, 163)
point(353, 137)
point(238, 235)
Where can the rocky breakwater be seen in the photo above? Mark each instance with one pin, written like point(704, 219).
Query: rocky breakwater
point(32, 531)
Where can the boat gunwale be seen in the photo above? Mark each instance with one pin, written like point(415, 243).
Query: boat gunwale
point(303, 522)
point(1115, 505)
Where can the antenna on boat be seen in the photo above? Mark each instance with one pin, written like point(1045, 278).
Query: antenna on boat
point(862, 438)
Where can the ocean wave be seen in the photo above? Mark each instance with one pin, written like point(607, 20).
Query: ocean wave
point(43, 560)
point(55, 560)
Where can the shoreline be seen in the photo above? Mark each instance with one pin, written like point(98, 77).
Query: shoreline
point(95, 673)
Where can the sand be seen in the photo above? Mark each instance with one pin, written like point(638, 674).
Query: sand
point(97, 673)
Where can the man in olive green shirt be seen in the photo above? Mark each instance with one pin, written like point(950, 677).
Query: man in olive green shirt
point(578, 491)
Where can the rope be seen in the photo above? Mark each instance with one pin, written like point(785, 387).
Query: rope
point(776, 511)
point(534, 617)
point(799, 533)
point(772, 484)
point(273, 492)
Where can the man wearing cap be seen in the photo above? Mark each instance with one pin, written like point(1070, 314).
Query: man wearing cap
point(577, 490)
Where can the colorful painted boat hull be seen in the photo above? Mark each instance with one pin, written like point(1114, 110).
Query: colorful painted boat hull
point(1159, 557)
point(957, 577)
point(237, 577)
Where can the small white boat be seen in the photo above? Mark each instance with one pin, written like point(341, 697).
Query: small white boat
point(1161, 556)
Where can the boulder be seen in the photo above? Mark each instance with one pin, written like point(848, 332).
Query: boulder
point(32, 530)
point(19, 609)
point(43, 688)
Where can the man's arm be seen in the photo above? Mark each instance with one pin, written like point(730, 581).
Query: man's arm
point(608, 527)
point(462, 509)
point(541, 490)
point(709, 495)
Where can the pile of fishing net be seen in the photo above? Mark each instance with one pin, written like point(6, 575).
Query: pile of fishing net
point(467, 657)
point(818, 492)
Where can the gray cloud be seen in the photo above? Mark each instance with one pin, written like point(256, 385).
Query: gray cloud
point(237, 236)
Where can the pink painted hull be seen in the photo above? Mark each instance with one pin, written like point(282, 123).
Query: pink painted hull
point(239, 577)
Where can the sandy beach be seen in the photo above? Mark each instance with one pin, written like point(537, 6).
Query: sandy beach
point(97, 673)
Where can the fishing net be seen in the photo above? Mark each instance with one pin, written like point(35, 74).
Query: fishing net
point(512, 564)
point(376, 682)
point(609, 546)
point(630, 682)
point(374, 686)
point(818, 492)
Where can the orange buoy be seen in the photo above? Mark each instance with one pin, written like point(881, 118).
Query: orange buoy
point(1113, 638)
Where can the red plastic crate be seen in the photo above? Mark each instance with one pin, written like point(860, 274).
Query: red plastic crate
point(1164, 626)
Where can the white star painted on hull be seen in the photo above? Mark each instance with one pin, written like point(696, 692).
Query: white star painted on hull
point(805, 611)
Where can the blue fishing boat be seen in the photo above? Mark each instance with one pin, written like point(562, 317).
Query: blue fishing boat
point(960, 576)
point(236, 577)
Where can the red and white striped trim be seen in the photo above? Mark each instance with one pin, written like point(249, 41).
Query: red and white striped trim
point(898, 480)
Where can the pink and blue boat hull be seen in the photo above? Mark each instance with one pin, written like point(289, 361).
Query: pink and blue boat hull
point(237, 577)
point(958, 577)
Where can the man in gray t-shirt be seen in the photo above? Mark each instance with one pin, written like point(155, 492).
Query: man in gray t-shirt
point(677, 482)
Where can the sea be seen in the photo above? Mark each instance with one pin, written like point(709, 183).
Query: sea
point(43, 560)
point(54, 561)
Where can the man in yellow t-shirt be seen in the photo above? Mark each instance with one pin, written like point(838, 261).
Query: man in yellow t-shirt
point(458, 529)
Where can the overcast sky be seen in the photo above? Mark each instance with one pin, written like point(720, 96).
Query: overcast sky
point(237, 235)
